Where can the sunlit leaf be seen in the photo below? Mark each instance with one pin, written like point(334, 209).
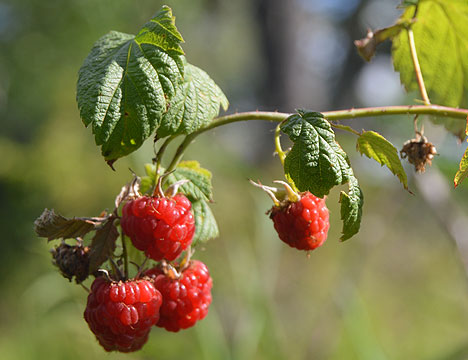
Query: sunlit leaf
point(126, 82)
point(376, 147)
point(441, 38)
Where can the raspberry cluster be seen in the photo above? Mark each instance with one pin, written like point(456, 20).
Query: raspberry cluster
point(122, 313)
point(160, 226)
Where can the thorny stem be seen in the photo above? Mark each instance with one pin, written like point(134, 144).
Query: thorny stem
point(279, 150)
point(417, 67)
point(442, 111)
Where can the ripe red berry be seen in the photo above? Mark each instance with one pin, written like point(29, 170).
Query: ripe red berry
point(162, 227)
point(186, 298)
point(121, 314)
point(302, 224)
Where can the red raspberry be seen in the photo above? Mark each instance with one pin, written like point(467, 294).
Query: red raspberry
point(162, 227)
point(186, 299)
point(302, 224)
point(121, 314)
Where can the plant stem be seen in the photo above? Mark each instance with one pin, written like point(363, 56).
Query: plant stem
point(279, 150)
point(181, 149)
point(441, 111)
point(417, 67)
point(125, 255)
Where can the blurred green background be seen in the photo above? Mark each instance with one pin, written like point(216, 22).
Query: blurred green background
point(398, 290)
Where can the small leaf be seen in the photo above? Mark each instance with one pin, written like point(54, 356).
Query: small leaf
point(206, 227)
point(55, 226)
point(126, 82)
point(103, 244)
point(441, 38)
point(351, 208)
point(196, 103)
point(316, 162)
point(462, 172)
point(376, 147)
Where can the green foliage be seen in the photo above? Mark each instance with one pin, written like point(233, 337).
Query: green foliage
point(351, 208)
point(376, 147)
point(199, 186)
point(462, 172)
point(196, 103)
point(206, 227)
point(55, 226)
point(126, 82)
point(103, 244)
point(441, 38)
point(316, 162)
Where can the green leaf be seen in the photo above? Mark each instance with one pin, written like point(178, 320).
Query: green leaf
point(148, 181)
point(103, 244)
point(206, 227)
point(126, 82)
point(441, 38)
point(316, 162)
point(351, 208)
point(196, 103)
point(462, 172)
point(376, 147)
point(199, 186)
point(55, 226)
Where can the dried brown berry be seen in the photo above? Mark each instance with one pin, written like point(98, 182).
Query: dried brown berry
point(73, 261)
point(419, 152)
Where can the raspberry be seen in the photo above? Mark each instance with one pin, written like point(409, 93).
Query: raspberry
point(302, 224)
point(121, 314)
point(186, 298)
point(162, 227)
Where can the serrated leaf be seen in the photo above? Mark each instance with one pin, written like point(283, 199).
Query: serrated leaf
point(316, 162)
point(441, 38)
point(462, 172)
point(376, 147)
point(55, 226)
point(196, 103)
point(206, 227)
point(126, 82)
point(351, 209)
point(103, 244)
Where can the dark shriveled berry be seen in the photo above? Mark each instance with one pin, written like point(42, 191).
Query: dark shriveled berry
point(72, 261)
point(162, 227)
point(302, 224)
point(121, 314)
point(186, 299)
